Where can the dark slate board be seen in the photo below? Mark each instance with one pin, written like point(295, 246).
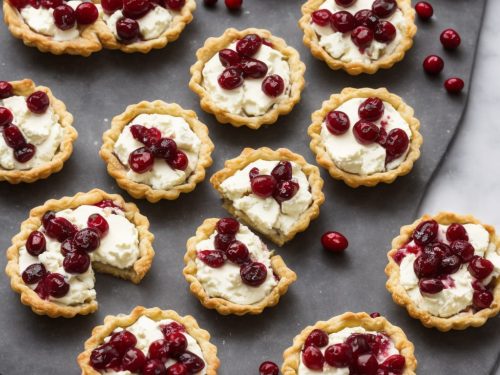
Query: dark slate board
point(99, 87)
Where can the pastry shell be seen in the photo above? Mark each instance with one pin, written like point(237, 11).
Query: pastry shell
point(25, 88)
point(459, 321)
point(214, 45)
point(291, 356)
point(119, 172)
point(311, 40)
point(135, 274)
point(111, 322)
point(250, 155)
point(356, 180)
point(223, 306)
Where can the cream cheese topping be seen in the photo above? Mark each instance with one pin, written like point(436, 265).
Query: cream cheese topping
point(41, 20)
point(267, 213)
point(161, 176)
point(353, 157)
point(340, 46)
point(225, 282)
point(248, 99)
point(42, 130)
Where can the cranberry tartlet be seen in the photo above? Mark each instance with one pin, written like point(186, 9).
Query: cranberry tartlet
point(231, 270)
point(149, 341)
point(156, 150)
point(445, 270)
point(52, 260)
point(276, 192)
point(360, 36)
point(365, 136)
point(37, 132)
point(247, 77)
point(351, 343)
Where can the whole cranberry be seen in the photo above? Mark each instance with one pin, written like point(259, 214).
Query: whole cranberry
point(365, 132)
point(13, 136)
point(233, 4)
point(133, 360)
point(36, 244)
point(253, 68)
point(231, 78)
point(367, 18)
point(212, 258)
point(86, 13)
point(321, 17)
point(56, 285)
point(433, 64)
point(24, 153)
point(6, 117)
point(286, 190)
point(67, 247)
point(384, 8)
point(338, 355)
point(123, 340)
point(103, 355)
point(480, 267)
point(76, 262)
point(209, 3)
point(313, 358)
point(427, 265)
point(99, 223)
point(385, 32)
point(254, 172)
point(165, 148)
point(60, 229)
point(450, 39)
point(223, 240)
point(375, 315)
point(343, 21)
point(396, 143)
point(318, 338)
point(456, 232)
point(268, 368)
point(430, 286)
point(282, 171)
point(65, 19)
point(176, 343)
point(180, 161)
point(111, 6)
point(450, 264)
point(337, 122)
point(362, 36)
point(47, 217)
point(426, 232)
point(34, 273)
point(135, 9)
point(228, 225)
point(158, 350)
point(154, 367)
point(249, 45)
point(463, 249)
point(359, 343)
point(253, 274)
point(178, 368)
point(151, 136)
point(127, 29)
point(366, 364)
point(454, 85)
point(273, 85)
point(175, 4)
point(482, 299)
point(238, 253)
point(345, 3)
point(6, 89)
point(141, 160)
point(192, 362)
point(229, 57)
point(372, 109)
point(424, 10)
point(334, 241)
point(263, 185)
point(172, 327)
point(395, 363)
point(87, 239)
point(51, 4)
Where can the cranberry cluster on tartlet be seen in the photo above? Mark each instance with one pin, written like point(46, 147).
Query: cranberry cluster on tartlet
point(359, 36)
point(445, 270)
point(36, 132)
point(247, 78)
point(365, 136)
point(52, 260)
point(231, 270)
point(156, 150)
point(351, 343)
point(149, 341)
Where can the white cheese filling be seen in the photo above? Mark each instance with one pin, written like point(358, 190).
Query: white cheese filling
point(161, 176)
point(353, 157)
point(42, 130)
point(225, 282)
point(248, 99)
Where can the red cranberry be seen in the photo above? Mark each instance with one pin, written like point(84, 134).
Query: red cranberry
point(334, 241)
point(362, 36)
point(149, 136)
point(273, 85)
point(36, 244)
point(359, 343)
point(6, 89)
point(13, 136)
point(86, 13)
point(367, 18)
point(450, 264)
point(424, 10)
point(343, 21)
point(60, 229)
point(222, 241)
point(6, 117)
point(237, 252)
point(253, 274)
point(321, 17)
point(249, 45)
point(385, 32)
point(338, 355)
point(87, 239)
point(158, 350)
point(482, 299)
point(135, 9)
point(141, 160)
point(463, 249)
point(384, 8)
point(67, 247)
point(56, 285)
point(177, 344)
point(382, 137)
point(138, 132)
point(254, 172)
point(480, 267)
point(313, 358)
point(337, 122)
point(103, 355)
point(228, 225)
point(454, 85)
point(366, 364)
point(97, 222)
point(154, 367)
point(24, 153)
point(175, 4)
point(253, 68)
point(76, 262)
point(178, 368)
point(317, 338)
point(430, 286)
point(372, 109)
point(19, 4)
point(233, 4)
point(456, 232)
point(228, 57)
point(478, 285)
point(268, 368)
point(192, 362)
point(47, 217)
point(51, 4)
point(107, 203)
point(65, 19)
point(450, 39)
point(285, 191)
point(172, 327)
point(111, 6)
point(395, 363)
point(397, 143)
point(212, 258)
point(231, 78)
point(263, 185)
point(180, 161)
point(282, 171)
point(439, 247)
point(433, 64)
point(41, 288)
point(34, 273)
point(127, 29)
point(427, 265)
point(210, 3)
point(375, 315)
point(365, 132)
point(426, 232)
point(344, 3)
point(133, 360)
point(165, 148)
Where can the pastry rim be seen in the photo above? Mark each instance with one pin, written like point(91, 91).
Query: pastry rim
point(406, 348)
point(135, 274)
point(223, 306)
point(26, 87)
point(111, 322)
point(311, 40)
point(213, 45)
point(355, 180)
point(458, 321)
point(249, 155)
point(142, 190)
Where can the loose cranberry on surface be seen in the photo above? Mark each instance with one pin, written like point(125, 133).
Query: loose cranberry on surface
point(111, 6)
point(56, 285)
point(177, 344)
point(34, 273)
point(282, 171)
point(263, 185)
point(286, 190)
point(313, 358)
point(334, 241)
point(36, 244)
point(321, 17)
point(87, 239)
point(99, 223)
point(253, 68)
point(233, 4)
point(367, 18)
point(395, 363)
point(103, 355)
point(249, 45)
point(175, 4)
point(177, 369)
point(450, 264)
point(268, 368)
point(138, 132)
point(135, 9)
point(338, 355)
point(6, 117)
point(454, 85)
point(86, 13)
point(180, 161)
point(222, 241)
point(337, 122)
point(480, 267)
point(192, 362)
point(154, 367)
point(65, 19)
point(385, 32)
point(254, 172)
point(343, 21)
point(344, 3)
point(317, 338)
point(430, 286)
point(433, 64)
point(384, 8)
point(362, 36)
point(127, 29)
point(228, 225)
point(158, 350)
point(375, 315)
point(172, 327)
point(210, 3)
point(426, 232)
point(482, 299)
point(273, 85)
point(60, 229)
point(13, 136)
point(463, 249)
point(253, 274)
point(456, 232)
point(212, 258)
point(229, 57)
point(237, 252)
point(424, 10)
point(365, 132)
point(450, 39)
point(76, 262)
point(141, 160)
point(231, 78)
point(396, 143)
point(133, 360)
point(24, 153)
point(372, 109)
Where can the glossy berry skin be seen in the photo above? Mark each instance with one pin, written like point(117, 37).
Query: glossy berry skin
point(192, 362)
point(172, 327)
point(337, 122)
point(430, 286)
point(111, 6)
point(177, 344)
point(344, 3)
point(268, 368)
point(56, 285)
point(365, 132)
point(366, 17)
point(227, 225)
point(427, 264)
point(395, 363)
point(482, 299)
point(6, 89)
point(141, 160)
point(133, 360)
point(375, 315)
point(480, 267)
point(175, 4)
point(385, 32)
point(180, 161)
point(463, 249)
point(454, 85)
point(253, 68)
point(212, 258)
point(384, 8)
point(338, 355)
point(334, 242)
point(34, 273)
point(233, 4)
point(231, 78)
point(177, 369)
point(135, 9)
point(165, 148)
point(76, 262)
point(362, 36)
point(13, 136)
point(313, 358)
point(285, 190)
point(123, 340)
point(60, 229)
point(366, 364)
point(87, 239)
point(396, 144)
point(249, 45)
point(24, 153)
point(254, 172)
point(222, 241)
point(127, 29)
point(103, 355)
point(450, 39)
point(424, 10)
point(450, 264)
point(237, 252)
point(273, 85)
point(321, 17)
point(456, 232)
point(158, 350)
point(318, 338)
point(154, 367)
point(64, 17)
point(229, 57)
point(99, 223)
point(36, 244)
point(67, 247)
point(263, 185)
point(372, 109)
point(253, 274)
point(343, 21)
point(433, 64)
point(6, 117)
point(86, 13)
point(47, 217)
point(282, 171)
point(426, 232)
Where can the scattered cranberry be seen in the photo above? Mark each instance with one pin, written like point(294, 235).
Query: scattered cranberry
point(133, 360)
point(172, 327)
point(135, 9)
point(192, 362)
point(222, 241)
point(60, 229)
point(385, 32)
point(228, 57)
point(463, 249)
point(111, 6)
point(337, 122)
point(372, 109)
point(231, 78)
point(13, 136)
point(450, 39)
point(433, 64)
point(249, 45)
point(237, 252)
point(175, 4)
point(6, 89)
point(430, 286)
point(103, 355)
point(362, 36)
point(334, 241)
point(282, 171)
point(338, 355)
point(482, 299)
point(426, 232)
point(36, 244)
point(318, 338)
point(97, 222)
point(127, 29)
point(286, 190)
point(456, 232)
point(87, 239)
point(273, 85)
point(178, 368)
point(34, 273)
point(263, 185)
point(254, 172)
point(24, 153)
point(56, 285)
point(268, 368)
point(76, 262)
point(384, 8)
point(253, 68)
point(343, 21)
point(233, 4)
point(480, 267)
point(321, 17)
point(228, 225)
point(165, 148)
point(366, 364)
point(19, 4)
point(6, 117)
point(375, 315)
point(212, 258)
point(424, 10)
point(367, 18)
point(154, 367)
point(180, 161)
point(158, 350)
point(395, 363)
point(313, 358)
point(365, 132)
point(454, 85)
point(177, 344)
point(65, 19)
point(210, 3)
point(141, 160)
point(253, 274)
point(86, 13)
point(396, 143)
point(450, 264)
